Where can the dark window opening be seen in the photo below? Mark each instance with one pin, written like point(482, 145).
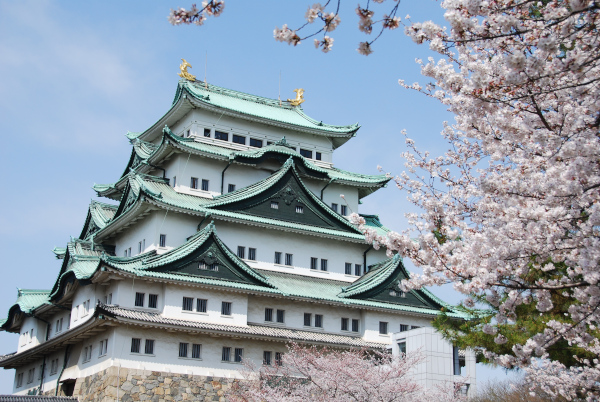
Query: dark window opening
point(289, 259)
point(139, 299)
point(194, 183)
point(196, 351)
point(280, 316)
point(207, 132)
point(149, 347)
point(267, 358)
point(241, 251)
point(348, 268)
point(318, 156)
point(152, 301)
point(135, 345)
point(239, 139)
point(269, 314)
point(231, 188)
point(226, 354)
point(201, 305)
point(313, 263)
point(162, 241)
point(238, 355)
point(344, 324)
point(383, 327)
point(183, 349)
point(256, 143)
point(334, 206)
point(277, 257)
point(306, 153)
point(307, 319)
point(188, 303)
point(226, 308)
point(318, 321)
point(204, 185)
point(219, 135)
point(344, 210)
point(323, 264)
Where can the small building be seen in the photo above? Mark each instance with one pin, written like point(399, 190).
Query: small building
point(226, 236)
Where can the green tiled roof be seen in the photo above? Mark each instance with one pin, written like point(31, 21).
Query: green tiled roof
point(376, 275)
point(373, 222)
point(146, 264)
point(148, 154)
point(257, 106)
point(27, 301)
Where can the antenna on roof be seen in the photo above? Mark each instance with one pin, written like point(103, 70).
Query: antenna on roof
point(205, 67)
point(279, 97)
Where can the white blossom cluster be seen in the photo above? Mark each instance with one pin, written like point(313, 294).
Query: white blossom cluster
point(511, 211)
point(196, 16)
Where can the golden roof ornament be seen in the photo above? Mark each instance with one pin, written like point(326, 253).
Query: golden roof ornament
point(299, 97)
point(184, 72)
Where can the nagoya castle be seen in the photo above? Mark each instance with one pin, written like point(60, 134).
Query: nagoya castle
point(226, 236)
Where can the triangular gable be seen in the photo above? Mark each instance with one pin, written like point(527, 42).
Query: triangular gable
point(203, 255)
point(99, 214)
point(381, 284)
point(283, 196)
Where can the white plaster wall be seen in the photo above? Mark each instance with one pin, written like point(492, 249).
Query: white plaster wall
point(126, 290)
point(294, 314)
point(371, 321)
point(198, 119)
point(303, 247)
point(174, 300)
point(79, 314)
point(25, 340)
point(166, 352)
point(185, 166)
point(178, 227)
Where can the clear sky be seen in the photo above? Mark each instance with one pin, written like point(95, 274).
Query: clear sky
point(76, 76)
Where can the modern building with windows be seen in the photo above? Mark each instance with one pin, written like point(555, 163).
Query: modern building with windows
point(226, 236)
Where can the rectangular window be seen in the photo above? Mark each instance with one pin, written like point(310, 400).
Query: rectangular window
point(318, 320)
point(174, 181)
point(239, 139)
point(256, 143)
point(149, 347)
point(204, 185)
point(318, 156)
point(135, 345)
point(354, 325)
point(183, 349)
point(53, 366)
point(314, 262)
point(345, 324)
point(30, 375)
point(323, 264)
point(239, 354)
point(241, 252)
point(162, 240)
point(226, 308)
point(307, 319)
point(139, 299)
point(274, 205)
point(188, 133)
point(103, 347)
point(299, 209)
point(19, 380)
point(196, 351)
point(129, 252)
point(402, 347)
point(269, 314)
point(334, 206)
point(267, 358)
point(226, 354)
point(194, 183)
point(278, 359)
point(403, 327)
point(152, 301)
point(140, 248)
point(220, 135)
point(252, 254)
point(201, 305)
point(414, 327)
point(344, 210)
point(109, 299)
point(207, 132)
point(357, 269)
point(281, 316)
point(277, 257)
point(306, 153)
point(289, 259)
point(230, 188)
point(348, 269)
point(188, 303)
point(383, 327)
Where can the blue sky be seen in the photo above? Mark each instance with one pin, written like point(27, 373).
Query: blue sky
point(76, 76)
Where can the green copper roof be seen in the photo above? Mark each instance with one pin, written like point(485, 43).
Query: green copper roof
point(204, 247)
point(99, 215)
point(373, 222)
point(257, 106)
point(27, 301)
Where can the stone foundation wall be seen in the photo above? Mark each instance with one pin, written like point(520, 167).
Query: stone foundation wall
point(125, 385)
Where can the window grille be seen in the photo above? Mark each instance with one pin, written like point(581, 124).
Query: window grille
point(239, 354)
point(267, 358)
point(188, 303)
point(268, 314)
point(318, 321)
point(196, 351)
point(226, 354)
point(226, 308)
point(344, 324)
point(383, 327)
point(152, 301)
point(256, 143)
point(139, 299)
point(183, 349)
point(149, 348)
point(323, 264)
point(135, 345)
point(307, 319)
point(313, 262)
point(251, 254)
point(280, 316)
point(201, 305)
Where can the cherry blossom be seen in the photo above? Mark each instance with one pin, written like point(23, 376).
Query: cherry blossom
point(322, 374)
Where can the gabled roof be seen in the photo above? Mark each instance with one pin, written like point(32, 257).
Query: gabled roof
point(285, 188)
point(193, 259)
point(382, 279)
point(244, 106)
point(99, 215)
point(373, 222)
point(27, 301)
